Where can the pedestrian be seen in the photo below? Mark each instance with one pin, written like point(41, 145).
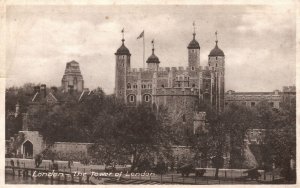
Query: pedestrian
point(18, 163)
point(12, 163)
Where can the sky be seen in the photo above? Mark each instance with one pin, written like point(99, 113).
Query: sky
point(259, 41)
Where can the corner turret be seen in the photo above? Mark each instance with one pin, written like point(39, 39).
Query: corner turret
point(194, 52)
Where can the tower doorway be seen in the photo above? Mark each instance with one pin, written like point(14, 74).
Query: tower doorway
point(28, 149)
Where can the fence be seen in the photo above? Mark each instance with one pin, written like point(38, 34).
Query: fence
point(226, 176)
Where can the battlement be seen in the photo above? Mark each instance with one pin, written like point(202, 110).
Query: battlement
point(168, 69)
point(139, 70)
point(177, 91)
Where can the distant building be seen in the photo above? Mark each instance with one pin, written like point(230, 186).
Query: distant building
point(251, 99)
point(72, 79)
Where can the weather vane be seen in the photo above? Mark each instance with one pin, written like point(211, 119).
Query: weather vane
point(122, 34)
point(194, 26)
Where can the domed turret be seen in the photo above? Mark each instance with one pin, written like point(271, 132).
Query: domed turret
point(194, 44)
point(216, 51)
point(122, 65)
point(194, 52)
point(123, 50)
point(153, 60)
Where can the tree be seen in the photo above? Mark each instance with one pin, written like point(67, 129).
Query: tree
point(238, 119)
point(131, 131)
point(280, 138)
point(211, 145)
point(217, 142)
point(22, 94)
point(13, 96)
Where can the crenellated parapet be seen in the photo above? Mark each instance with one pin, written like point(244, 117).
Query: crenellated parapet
point(169, 69)
point(177, 92)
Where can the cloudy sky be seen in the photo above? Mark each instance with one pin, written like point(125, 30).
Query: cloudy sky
point(258, 41)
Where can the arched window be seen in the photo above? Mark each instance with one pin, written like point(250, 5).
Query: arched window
point(193, 68)
point(147, 98)
point(128, 86)
point(131, 98)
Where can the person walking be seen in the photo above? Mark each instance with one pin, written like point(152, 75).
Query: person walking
point(12, 163)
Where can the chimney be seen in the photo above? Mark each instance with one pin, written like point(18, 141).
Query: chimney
point(70, 88)
point(43, 90)
point(36, 89)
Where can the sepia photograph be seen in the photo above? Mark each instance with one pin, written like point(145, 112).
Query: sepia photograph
point(150, 94)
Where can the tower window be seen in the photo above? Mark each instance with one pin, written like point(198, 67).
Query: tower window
point(150, 86)
point(252, 104)
point(147, 98)
point(128, 86)
point(163, 86)
point(193, 68)
point(134, 86)
point(131, 98)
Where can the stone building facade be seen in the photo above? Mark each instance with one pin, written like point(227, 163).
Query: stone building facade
point(72, 79)
point(251, 99)
point(181, 89)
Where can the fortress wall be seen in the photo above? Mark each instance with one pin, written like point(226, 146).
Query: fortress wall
point(69, 149)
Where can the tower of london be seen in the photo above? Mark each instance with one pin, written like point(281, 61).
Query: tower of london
point(181, 89)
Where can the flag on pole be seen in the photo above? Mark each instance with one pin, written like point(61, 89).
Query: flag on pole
point(141, 35)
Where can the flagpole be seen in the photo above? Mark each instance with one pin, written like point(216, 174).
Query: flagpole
point(144, 50)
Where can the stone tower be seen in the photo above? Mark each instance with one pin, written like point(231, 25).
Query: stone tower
point(72, 77)
point(194, 52)
point(216, 60)
point(122, 65)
